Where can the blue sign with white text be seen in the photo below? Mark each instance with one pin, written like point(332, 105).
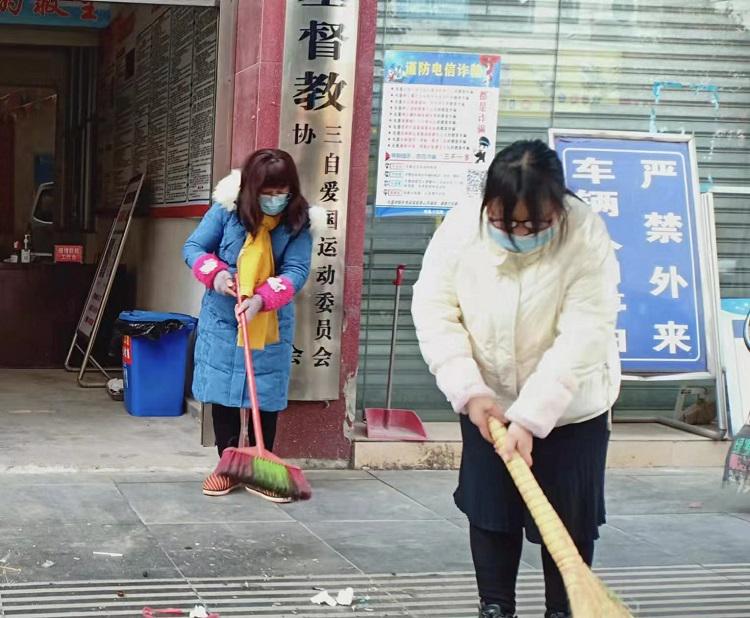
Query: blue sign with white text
point(644, 190)
point(441, 69)
point(67, 13)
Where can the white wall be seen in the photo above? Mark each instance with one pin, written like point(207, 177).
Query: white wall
point(155, 253)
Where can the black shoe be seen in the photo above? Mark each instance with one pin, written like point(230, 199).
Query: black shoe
point(558, 615)
point(493, 611)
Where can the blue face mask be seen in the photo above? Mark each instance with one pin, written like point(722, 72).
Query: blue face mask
point(523, 244)
point(273, 204)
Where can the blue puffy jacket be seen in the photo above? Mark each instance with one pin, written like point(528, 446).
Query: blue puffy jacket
point(219, 374)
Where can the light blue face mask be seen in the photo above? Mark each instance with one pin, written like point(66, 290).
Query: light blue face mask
point(523, 244)
point(273, 204)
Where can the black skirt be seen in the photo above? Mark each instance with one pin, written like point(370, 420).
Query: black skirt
point(568, 464)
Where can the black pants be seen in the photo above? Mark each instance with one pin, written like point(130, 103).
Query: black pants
point(227, 427)
point(497, 556)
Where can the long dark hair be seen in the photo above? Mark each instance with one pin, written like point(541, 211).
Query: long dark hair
point(531, 172)
point(270, 168)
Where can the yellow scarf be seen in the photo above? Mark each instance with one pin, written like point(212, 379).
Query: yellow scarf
point(254, 266)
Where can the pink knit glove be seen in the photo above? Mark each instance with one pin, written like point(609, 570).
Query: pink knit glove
point(206, 267)
point(275, 292)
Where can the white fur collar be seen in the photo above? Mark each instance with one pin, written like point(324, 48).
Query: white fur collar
point(228, 188)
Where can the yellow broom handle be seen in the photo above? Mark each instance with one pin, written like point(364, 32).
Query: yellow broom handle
point(554, 534)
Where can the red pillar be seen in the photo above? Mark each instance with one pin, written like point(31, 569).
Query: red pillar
point(309, 430)
point(257, 80)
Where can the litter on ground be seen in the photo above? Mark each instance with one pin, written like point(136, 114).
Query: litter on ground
point(343, 598)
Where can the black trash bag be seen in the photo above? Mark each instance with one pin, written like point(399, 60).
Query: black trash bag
point(150, 329)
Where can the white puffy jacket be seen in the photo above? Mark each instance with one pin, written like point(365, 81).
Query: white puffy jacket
point(536, 331)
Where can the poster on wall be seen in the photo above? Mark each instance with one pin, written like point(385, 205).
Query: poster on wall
point(143, 88)
point(123, 142)
point(158, 107)
point(162, 116)
point(179, 101)
point(645, 189)
point(203, 94)
point(438, 128)
point(317, 105)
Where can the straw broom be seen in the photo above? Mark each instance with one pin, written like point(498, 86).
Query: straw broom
point(588, 596)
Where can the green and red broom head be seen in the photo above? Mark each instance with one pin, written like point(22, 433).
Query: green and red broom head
point(264, 473)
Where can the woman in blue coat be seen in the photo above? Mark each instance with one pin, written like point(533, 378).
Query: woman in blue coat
point(266, 193)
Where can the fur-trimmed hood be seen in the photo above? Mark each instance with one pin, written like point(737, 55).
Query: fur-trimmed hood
point(228, 188)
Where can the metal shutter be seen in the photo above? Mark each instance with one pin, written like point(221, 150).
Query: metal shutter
point(630, 65)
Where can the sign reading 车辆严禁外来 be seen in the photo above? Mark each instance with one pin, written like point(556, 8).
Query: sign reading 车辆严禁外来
point(437, 133)
point(645, 188)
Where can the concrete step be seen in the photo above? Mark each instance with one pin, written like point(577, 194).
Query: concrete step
point(633, 445)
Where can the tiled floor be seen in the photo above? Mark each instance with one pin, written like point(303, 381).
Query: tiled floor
point(94, 527)
point(356, 522)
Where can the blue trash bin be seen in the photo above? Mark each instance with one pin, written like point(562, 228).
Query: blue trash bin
point(154, 359)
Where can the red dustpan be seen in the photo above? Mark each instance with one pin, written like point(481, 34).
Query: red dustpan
point(394, 424)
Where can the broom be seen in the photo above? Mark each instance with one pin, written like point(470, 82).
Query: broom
point(588, 596)
point(258, 468)
point(737, 464)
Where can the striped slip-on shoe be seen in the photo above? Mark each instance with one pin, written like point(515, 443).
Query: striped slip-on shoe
point(268, 495)
point(218, 485)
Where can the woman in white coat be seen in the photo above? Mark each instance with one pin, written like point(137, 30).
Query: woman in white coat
point(515, 311)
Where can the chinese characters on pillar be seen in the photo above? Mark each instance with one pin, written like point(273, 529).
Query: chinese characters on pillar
point(437, 134)
point(644, 192)
point(316, 125)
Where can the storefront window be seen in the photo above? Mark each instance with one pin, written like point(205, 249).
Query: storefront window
point(628, 65)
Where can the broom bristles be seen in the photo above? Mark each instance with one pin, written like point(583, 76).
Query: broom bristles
point(588, 596)
point(264, 474)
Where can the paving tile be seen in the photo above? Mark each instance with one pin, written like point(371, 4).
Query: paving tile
point(684, 493)
point(244, 550)
point(338, 475)
point(431, 488)
point(24, 479)
point(409, 546)
point(71, 548)
point(704, 472)
point(360, 500)
point(461, 522)
point(178, 503)
point(50, 504)
point(708, 490)
point(691, 539)
point(616, 547)
point(156, 476)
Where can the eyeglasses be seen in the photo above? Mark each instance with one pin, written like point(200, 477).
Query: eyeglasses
point(528, 225)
